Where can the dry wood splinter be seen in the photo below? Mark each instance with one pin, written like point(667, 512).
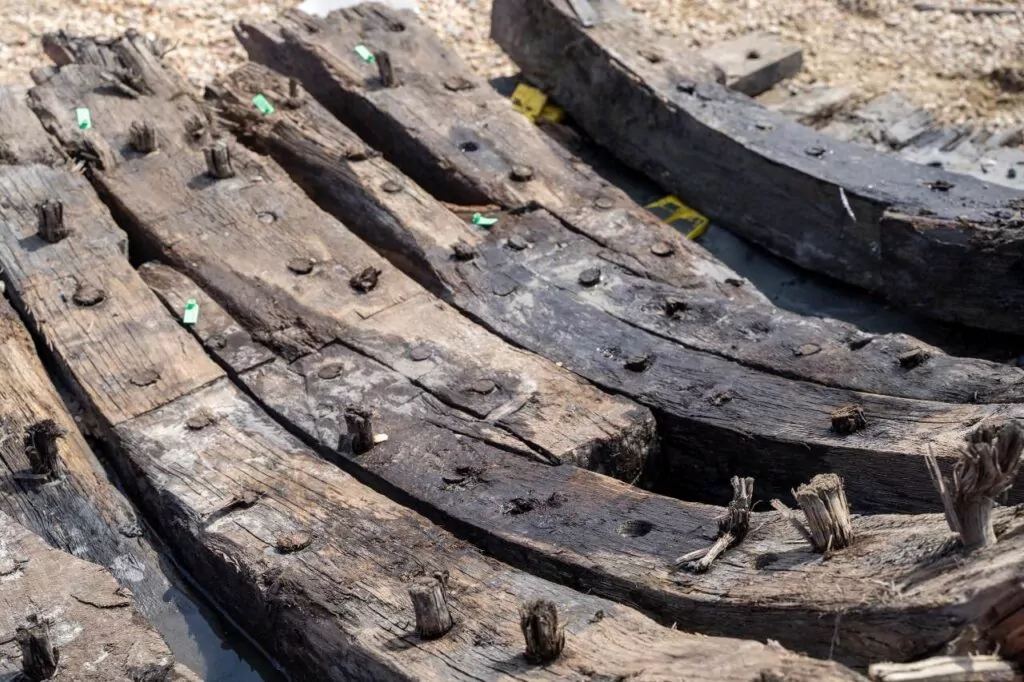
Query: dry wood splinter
point(39, 657)
point(142, 136)
point(51, 221)
point(732, 528)
point(359, 423)
point(824, 504)
point(218, 161)
point(41, 448)
point(986, 469)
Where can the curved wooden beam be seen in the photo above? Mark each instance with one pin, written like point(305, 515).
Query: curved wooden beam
point(944, 245)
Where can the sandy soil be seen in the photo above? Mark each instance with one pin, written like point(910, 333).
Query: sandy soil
point(942, 60)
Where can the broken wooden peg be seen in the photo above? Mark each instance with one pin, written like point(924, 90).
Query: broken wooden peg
point(218, 161)
point(946, 669)
point(142, 136)
point(51, 221)
point(366, 280)
point(732, 528)
point(295, 98)
point(847, 419)
point(386, 70)
point(545, 639)
point(986, 469)
point(359, 423)
point(430, 603)
point(39, 657)
point(823, 502)
point(41, 449)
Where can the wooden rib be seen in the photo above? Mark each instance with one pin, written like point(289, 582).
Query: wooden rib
point(617, 541)
point(226, 485)
point(419, 126)
point(595, 331)
point(92, 622)
point(952, 254)
point(239, 235)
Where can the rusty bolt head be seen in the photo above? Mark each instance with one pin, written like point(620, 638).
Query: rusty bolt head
point(301, 266)
point(144, 377)
point(391, 187)
point(604, 203)
point(86, 295)
point(662, 249)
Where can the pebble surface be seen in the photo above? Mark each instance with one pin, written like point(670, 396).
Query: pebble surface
point(943, 61)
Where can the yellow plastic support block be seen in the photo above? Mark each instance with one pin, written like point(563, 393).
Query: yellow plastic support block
point(529, 101)
point(671, 210)
point(552, 113)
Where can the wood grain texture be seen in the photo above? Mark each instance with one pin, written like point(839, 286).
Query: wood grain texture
point(530, 294)
point(616, 541)
point(240, 237)
point(953, 253)
point(98, 633)
point(721, 318)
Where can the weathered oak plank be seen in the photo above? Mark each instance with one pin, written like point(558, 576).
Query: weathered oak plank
point(951, 252)
point(88, 618)
point(424, 122)
point(288, 269)
point(318, 566)
point(613, 540)
point(523, 281)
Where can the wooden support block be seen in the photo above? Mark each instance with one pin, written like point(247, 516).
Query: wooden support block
point(755, 62)
point(556, 522)
point(816, 104)
point(870, 219)
point(65, 618)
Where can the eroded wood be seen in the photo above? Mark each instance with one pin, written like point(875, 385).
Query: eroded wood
point(424, 121)
point(952, 254)
point(238, 236)
point(622, 331)
point(618, 541)
point(71, 617)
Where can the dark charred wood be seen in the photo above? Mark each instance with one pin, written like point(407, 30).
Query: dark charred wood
point(359, 423)
point(39, 657)
point(143, 137)
point(42, 450)
point(954, 255)
point(387, 72)
point(218, 161)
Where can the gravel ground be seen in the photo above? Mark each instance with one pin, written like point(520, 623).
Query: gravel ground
point(941, 60)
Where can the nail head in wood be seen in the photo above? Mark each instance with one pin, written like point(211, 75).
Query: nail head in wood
point(913, 358)
point(848, 419)
point(517, 243)
point(483, 386)
point(366, 280)
point(200, 420)
point(590, 277)
point(391, 187)
point(823, 502)
point(521, 173)
point(86, 295)
point(39, 657)
point(462, 251)
point(144, 377)
point(142, 136)
point(41, 448)
point(545, 637)
point(662, 249)
point(359, 424)
point(458, 84)
point(218, 161)
point(430, 604)
point(604, 203)
point(51, 227)
point(386, 70)
point(301, 266)
point(293, 542)
point(419, 353)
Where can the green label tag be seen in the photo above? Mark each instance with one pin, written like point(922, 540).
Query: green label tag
point(365, 54)
point(483, 221)
point(84, 119)
point(263, 104)
point(191, 315)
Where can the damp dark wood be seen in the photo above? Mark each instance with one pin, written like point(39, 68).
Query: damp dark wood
point(614, 540)
point(468, 147)
point(627, 343)
point(304, 555)
point(62, 617)
point(943, 245)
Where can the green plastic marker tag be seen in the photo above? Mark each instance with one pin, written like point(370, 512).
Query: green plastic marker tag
point(263, 104)
point(191, 315)
point(483, 221)
point(365, 54)
point(84, 119)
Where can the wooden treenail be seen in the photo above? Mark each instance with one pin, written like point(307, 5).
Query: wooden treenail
point(942, 244)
